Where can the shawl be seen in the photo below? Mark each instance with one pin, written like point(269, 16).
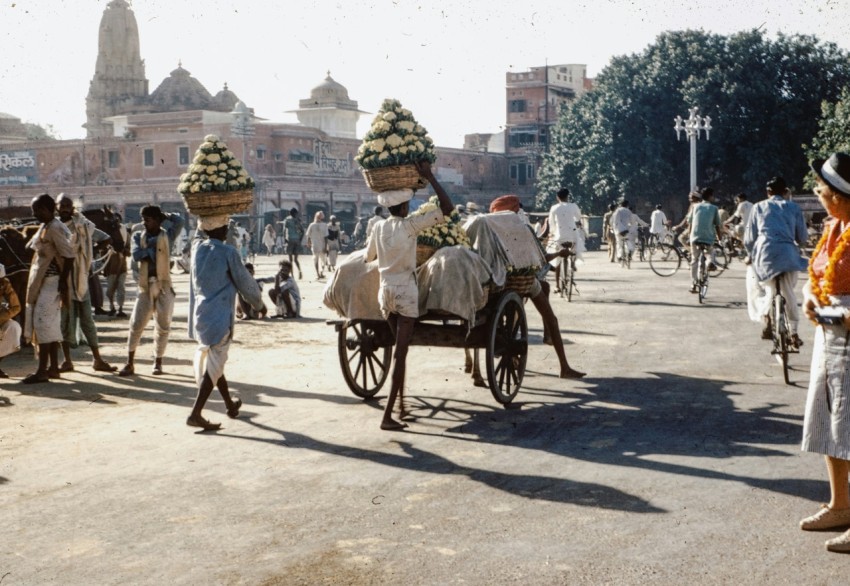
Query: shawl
point(163, 261)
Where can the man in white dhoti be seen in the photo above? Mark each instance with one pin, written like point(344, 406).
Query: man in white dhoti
point(47, 287)
point(78, 310)
point(217, 274)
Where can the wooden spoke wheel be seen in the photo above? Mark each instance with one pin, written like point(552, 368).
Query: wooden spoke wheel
point(365, 362)
point(507, 348)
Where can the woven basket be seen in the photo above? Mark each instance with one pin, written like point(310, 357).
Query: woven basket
point(519, 283)
point(391, 178)
point(217, 203)
point(423, 253)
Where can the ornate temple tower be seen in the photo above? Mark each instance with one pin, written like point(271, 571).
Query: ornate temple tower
point(330, 109)
point(119, 85)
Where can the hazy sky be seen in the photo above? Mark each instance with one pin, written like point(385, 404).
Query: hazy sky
point(446, 61)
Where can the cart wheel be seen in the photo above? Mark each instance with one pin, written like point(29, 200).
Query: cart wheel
point(507, 348)
point(365, 365)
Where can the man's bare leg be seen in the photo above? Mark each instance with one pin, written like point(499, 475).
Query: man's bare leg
point(195, 419)
point(403, 334)
point(550, 323)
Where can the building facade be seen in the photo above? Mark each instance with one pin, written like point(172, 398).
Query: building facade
point(533, 100)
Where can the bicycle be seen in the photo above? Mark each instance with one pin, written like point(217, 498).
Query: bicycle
point(701, 283)
point(783, 341)
point(667, 258)
point(625, 257)
point(567, 281)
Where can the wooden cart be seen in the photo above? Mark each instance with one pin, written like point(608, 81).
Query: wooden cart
point(500, 328)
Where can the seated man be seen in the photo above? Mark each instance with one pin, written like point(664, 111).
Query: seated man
point(244, 309)
point(285, 293)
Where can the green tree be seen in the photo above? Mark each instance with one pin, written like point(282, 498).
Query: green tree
point(37, 132)
point(763, 97)
point(833, 134)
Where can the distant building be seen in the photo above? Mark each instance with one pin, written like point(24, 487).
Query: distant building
point(12, 129)
point(533, 101)
point(330, 110)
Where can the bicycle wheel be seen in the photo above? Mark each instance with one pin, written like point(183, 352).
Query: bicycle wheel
point(665, 260)
point(562, 283)
point(780, 335)
point(702, 278)
point(721, 260)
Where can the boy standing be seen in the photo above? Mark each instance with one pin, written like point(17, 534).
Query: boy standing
point(393, 243)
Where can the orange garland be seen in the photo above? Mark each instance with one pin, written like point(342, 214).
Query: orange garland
point(823, 292)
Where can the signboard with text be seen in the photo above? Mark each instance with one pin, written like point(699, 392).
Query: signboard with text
point(18, 168)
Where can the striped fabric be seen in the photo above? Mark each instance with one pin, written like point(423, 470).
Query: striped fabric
point(826, 425)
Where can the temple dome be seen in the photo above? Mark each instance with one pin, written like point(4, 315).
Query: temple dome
point(180, 91)
point(329, 93)
point(225, 100)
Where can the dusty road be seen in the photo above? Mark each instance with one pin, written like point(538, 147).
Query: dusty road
point(675, 461)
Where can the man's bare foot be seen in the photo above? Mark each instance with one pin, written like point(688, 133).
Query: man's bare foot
point(128, 370)
point(572, 373)
point(478, 381)
point(66, 366)
point(198, 421)
point(392, 425)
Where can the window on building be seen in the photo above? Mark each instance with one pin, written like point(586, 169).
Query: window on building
point(148, 157)
point(514, 171)
point(278, 157)
point(516, 106)
point(114, 159)
point(261, 152)
point(183, 155)
point(529, 170)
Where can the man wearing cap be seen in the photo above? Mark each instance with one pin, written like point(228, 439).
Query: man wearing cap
point(217, 275)
point(393, 244)
point(47, 287)
point(78, 310)
point(151, 248)
point(775, 231)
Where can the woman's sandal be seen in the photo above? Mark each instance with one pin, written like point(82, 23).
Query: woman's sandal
point(233, 411)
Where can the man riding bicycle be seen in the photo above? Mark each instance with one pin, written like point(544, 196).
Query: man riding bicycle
point(704, 221)
point(564, 224)
point(772, 237)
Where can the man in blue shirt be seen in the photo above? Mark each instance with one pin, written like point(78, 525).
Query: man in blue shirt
point(704, 220)
point(217, 275)
point(773, 235)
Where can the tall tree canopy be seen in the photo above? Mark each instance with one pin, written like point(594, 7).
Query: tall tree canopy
point(764, 98)
point(833, 131)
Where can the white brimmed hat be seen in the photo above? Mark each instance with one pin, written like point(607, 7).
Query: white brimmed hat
point(835, 171)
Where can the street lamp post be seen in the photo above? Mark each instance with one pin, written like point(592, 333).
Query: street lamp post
point(243, 127)
point(692, 127)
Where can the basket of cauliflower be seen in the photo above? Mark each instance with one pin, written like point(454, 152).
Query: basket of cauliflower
point(215, 182)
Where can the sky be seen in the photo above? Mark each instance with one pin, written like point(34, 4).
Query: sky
point(445, 60)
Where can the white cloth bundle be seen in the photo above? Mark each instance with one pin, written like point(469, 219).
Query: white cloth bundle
point(394, 197)
point(207, 223)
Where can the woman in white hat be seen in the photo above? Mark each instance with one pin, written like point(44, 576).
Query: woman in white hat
point(826, 425)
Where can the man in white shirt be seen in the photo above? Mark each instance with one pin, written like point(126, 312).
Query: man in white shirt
point(378, 217)
point(621, 221)
point(658, 224)
point(564, 222)
point(741, 217)
point(393, 244)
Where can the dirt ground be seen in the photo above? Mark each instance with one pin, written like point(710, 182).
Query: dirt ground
point(676, 461)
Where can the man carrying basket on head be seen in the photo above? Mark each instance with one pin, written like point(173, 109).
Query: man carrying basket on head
point(393, 243)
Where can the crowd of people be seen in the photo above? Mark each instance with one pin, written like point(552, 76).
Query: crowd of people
point(223, 286)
